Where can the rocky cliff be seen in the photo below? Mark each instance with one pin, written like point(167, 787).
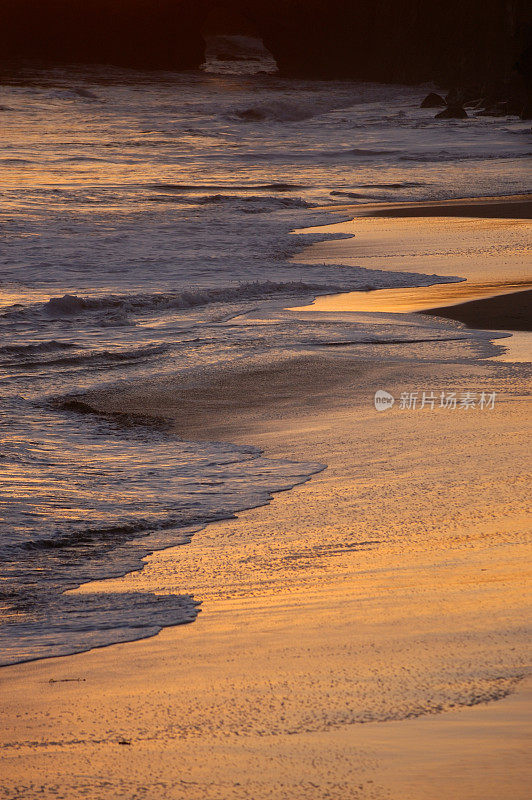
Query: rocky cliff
point(161, 34)
point(474, 44)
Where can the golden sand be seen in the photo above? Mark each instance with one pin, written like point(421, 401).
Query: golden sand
point(362, 636)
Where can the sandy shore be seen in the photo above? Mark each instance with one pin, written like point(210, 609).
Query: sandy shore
point(362, 636)
point(480, 243)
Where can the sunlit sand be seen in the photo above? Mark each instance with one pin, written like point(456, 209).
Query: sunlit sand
point(362, 636)
point(488, 256)
point(364, 596)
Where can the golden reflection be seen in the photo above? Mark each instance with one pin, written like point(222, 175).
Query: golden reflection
point(420, 298)
point(476, 258)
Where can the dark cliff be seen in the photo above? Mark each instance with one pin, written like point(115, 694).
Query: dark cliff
point(474, 43)
point(160, 34)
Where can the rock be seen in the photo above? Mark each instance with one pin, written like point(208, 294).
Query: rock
point(452, 112)
point(432, 100)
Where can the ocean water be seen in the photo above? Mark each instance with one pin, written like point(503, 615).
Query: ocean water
point(146, 228)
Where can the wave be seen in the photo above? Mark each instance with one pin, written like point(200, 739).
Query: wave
point(255, 205)
point(94, 358)
point(216, 187)
point(446, 155)
point(400, 185)
point(76, 159)
point(351, 195)
point(75, 624)
point(72, 94)
point(37, 348)
point(74, 305)
point(359, 196)
point(293, 109)
point(290, 156)
point(248, 205)
point(363, 151)
point(276, 112)
point(386, 342)
point(115, 310)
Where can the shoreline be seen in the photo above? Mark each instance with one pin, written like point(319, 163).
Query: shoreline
point(517, 206)
point(356, 630)
point(508, 311)
point(354, 598)
point(506, 206)
point(475, 242)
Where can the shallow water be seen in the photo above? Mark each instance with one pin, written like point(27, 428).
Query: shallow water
point(146, 229)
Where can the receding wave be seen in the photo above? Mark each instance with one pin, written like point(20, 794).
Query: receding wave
point(385, 342)
point(76, 624)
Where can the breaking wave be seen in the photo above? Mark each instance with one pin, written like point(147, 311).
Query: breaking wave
point(277, 111)
point(247, 205)
point(74, 305)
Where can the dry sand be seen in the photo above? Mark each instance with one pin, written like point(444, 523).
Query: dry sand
point(362, 636)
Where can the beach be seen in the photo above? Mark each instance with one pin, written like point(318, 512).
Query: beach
point(364, 635)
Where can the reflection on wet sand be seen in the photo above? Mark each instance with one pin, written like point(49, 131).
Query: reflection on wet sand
point(486, 254)
point(420, 298)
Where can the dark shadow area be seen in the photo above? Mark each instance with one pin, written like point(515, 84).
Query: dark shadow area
point(223, 19)
point(160, 34)
point(479, 46)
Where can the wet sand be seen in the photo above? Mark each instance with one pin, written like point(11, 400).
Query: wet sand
point(362, 636)
point(510, 207)
point(482, 244)
point(348, 629)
